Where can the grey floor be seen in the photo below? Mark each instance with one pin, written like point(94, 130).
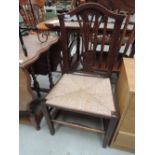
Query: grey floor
point(66, 141)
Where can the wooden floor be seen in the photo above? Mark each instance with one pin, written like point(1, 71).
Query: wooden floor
point(25, 120)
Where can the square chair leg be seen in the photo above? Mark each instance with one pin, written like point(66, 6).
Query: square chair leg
point(110, 130)
point(47, 117)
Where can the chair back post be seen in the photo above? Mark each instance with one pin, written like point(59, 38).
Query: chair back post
point(127, 40)
point(22, 43)
point(113, 51)
point(64, 44)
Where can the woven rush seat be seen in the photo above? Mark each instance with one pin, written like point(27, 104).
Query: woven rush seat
point(82, 93)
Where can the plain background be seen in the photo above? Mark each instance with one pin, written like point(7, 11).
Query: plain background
point(145, 77)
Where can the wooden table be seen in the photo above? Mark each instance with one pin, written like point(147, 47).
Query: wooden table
point(34, 48)
point(27, 99)
point(124, 137)
point(73, 26)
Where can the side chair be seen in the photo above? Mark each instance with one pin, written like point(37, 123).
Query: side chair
point(87, 92)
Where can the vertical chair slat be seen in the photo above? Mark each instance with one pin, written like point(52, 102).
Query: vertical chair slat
point(103, 40)
point(131, 37)
point(113, 49)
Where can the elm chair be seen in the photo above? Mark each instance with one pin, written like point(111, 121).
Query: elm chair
point(86, 92)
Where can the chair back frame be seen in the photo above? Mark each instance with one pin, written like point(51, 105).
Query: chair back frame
point(93, 20)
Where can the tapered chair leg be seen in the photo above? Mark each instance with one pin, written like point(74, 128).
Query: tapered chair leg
point(110, 129)
point(47, 117)
point(34, 121)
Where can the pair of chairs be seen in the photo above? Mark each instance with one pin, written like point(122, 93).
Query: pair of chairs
point(89, 90)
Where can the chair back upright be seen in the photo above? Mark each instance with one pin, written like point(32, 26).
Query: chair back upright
point(127, 41)
point(93, 20)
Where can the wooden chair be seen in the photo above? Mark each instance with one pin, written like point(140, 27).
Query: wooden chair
point(86, 92)
point(32, 12)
